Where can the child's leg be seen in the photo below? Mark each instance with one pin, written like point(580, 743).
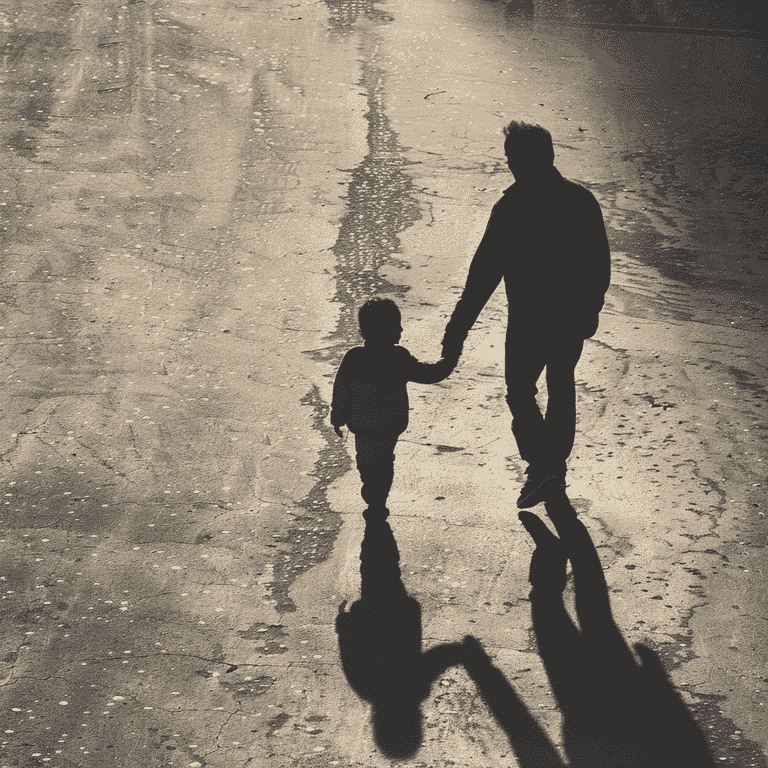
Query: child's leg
point(376, 465)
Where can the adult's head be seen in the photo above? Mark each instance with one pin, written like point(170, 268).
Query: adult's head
point(528, 148)
point(380, 321)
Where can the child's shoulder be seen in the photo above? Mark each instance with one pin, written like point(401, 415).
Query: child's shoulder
point(394, 355)
point(354, 359)
point(393, 351)
point(353, 353)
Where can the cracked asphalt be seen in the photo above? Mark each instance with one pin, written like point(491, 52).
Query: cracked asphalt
point(194, 199)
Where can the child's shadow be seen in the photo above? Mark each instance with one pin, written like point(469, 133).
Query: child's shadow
point(380, 647)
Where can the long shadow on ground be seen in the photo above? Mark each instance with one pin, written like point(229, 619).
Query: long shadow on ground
point(619, 709)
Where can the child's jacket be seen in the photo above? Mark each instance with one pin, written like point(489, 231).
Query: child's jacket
point(370, 395)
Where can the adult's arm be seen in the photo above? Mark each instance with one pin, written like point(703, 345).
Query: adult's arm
point(485, 273)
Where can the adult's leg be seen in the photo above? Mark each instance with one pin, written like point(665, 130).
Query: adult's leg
point(375, 455)
point(560, 419)
point(525, 358)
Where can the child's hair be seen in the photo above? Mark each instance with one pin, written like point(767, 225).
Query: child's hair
point(375, 314)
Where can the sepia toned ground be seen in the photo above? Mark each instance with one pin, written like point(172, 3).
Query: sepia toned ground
point(194, 200)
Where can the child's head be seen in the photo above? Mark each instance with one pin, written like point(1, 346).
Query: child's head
point(380, 321)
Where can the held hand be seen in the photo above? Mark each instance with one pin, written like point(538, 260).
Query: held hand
point(452, 352)
point(474, 653)
point(338, 431)
point(448, 363)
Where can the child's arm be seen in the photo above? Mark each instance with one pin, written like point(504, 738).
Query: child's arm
point(430, 373)
point(338, 409)
point(340, 401)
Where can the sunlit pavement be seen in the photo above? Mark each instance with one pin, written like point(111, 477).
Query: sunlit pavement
point(194, 201)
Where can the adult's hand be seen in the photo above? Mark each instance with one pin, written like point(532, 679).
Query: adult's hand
point(590, 328)
point(452, 349)
point(453, 340)
point(451, 358)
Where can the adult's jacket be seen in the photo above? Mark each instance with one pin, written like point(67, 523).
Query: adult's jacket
point(546, 239)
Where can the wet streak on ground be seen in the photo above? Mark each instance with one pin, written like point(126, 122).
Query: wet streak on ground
point(379, 207)
point(310, 538)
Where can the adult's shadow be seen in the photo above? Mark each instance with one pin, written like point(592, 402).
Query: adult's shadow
point(617, 710)
point(380, 647)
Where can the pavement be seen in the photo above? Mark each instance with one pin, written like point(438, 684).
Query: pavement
point(194, 201)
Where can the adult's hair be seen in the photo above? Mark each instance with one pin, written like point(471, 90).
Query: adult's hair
point(528, 144)
point(374, 314)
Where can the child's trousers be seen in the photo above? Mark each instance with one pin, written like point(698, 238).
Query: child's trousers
point(376, 465)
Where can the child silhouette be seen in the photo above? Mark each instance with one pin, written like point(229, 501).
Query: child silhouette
point(371, 398)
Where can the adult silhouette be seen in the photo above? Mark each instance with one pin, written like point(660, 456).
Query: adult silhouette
point(618, 712)
point(546, 239)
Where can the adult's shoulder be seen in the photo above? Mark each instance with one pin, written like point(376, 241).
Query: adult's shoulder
point(578, 190)
point(509, 199)
point(508, 194)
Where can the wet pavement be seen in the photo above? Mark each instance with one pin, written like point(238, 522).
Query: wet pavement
point(195, 199)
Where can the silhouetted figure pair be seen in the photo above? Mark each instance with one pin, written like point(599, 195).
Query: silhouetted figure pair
point(617, 713)
point(546, 239)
